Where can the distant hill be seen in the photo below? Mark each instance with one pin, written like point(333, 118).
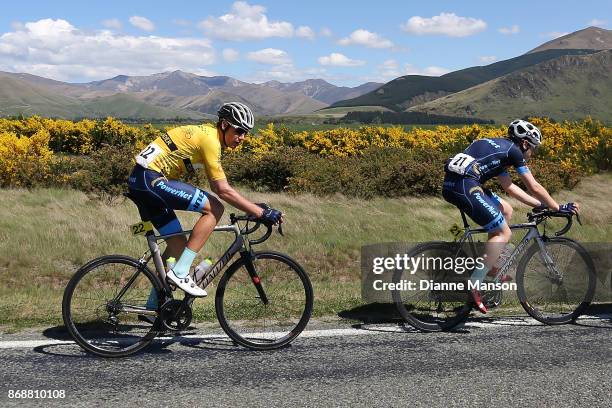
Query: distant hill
point(410, 90)
point(176, 83)
point(593, 38)
point(323, 91)
point(568, 87)
point(18, 97)
point(175, 93)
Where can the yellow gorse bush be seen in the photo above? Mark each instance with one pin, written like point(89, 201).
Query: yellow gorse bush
point(578, 144)
point(81, 137)
point(27, 145)
point(24, 160)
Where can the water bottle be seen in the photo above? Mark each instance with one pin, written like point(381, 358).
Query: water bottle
point(202, 268)
point(170, 262)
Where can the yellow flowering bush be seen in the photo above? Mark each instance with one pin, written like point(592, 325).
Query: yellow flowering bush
point(584, 144)
point(24, 160)
point(366, 161)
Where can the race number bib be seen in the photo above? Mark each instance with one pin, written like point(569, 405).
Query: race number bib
point(459, 163)
point(148, 154)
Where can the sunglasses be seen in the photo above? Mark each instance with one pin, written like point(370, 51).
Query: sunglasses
point(240, 131)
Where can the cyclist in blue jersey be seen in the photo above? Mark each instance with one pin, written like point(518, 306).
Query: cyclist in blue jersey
point(487, 158)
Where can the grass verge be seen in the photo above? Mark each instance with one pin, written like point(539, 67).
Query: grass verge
point(46, 234)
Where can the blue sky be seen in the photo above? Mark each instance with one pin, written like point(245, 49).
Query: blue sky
point(345, 42)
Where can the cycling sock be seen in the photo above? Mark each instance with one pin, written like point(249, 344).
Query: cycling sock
point(181, 269)
point(152, 300)
point(479, 274)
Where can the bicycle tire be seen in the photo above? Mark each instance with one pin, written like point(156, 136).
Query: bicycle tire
point(93, 335)
point(241, 312)
point(441, 310)
point(531, 285)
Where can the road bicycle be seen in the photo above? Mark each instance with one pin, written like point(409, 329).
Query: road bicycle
point(263, 300)
point(555, 277)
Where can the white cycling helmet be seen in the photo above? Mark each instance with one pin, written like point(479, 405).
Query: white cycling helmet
point(521, 129)
point(237, 114)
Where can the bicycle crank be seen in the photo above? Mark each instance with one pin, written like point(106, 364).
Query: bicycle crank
point(176, 315)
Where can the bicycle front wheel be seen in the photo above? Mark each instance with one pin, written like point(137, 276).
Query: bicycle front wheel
point(557, 284)
point(435, 298)
point(264, 301)
point(102, 304)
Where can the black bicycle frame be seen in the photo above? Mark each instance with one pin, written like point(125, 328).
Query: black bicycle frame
point(532, 233)
point(203, 278)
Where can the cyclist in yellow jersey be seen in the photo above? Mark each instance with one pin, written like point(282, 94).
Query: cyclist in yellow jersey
point(153, 184)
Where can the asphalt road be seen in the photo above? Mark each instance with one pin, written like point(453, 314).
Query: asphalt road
point(496, 362)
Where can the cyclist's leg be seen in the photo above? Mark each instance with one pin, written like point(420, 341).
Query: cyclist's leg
point(211, 215)
point(469, 196)
point(163, 196)
point(503, 205)
point(500, 236)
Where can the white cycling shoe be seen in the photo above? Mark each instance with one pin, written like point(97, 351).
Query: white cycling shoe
point(187, 284)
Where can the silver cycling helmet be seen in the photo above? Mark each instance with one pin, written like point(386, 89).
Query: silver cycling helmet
point(237, 114)
point(521, 129)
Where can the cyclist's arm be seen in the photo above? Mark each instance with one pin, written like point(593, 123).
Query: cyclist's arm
point(515, 191)
point(537, 191)
point(228, 194)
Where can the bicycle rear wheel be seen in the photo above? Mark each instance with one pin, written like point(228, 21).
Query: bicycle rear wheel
point(444, 302)
point(102, 304)
point(267, 306)
point(555, 286)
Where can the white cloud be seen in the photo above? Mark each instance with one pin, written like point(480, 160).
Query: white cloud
point(448, 24)
point(230, 55)
point(409, 69)
point(142, 22)
point(366, 38)
point(56, 49)
point(487, 59)
point(339, 60)
point(245, 22)
point(287, 73)
point(305, 32)
point(182, 22)
point(597, 22)
point(112, 23)
point(270, 56)
point(510, 30)
point(388, 70)
point(554, 34)
point(326, 32)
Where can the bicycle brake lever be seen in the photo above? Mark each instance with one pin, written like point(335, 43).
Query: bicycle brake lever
point(578, 219)
point(280, 229)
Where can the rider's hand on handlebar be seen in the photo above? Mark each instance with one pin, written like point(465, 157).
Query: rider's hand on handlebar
point(270, 215)
point(570, 208)
point(540, 208)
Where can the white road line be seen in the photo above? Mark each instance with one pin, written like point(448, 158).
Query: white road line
point(366, 330)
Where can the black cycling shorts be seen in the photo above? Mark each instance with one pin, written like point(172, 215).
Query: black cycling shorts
point(157, 198)
point(481, 204)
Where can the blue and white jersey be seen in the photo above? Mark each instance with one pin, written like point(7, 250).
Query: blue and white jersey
point(492, 158)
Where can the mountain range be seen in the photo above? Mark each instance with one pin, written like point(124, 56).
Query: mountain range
point(565, 78)
point(165, 95)
point(569, 87)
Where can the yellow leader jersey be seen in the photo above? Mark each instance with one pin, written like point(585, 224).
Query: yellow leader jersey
point(199, 144)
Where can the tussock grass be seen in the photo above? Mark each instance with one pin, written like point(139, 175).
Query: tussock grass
point(46, 234)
